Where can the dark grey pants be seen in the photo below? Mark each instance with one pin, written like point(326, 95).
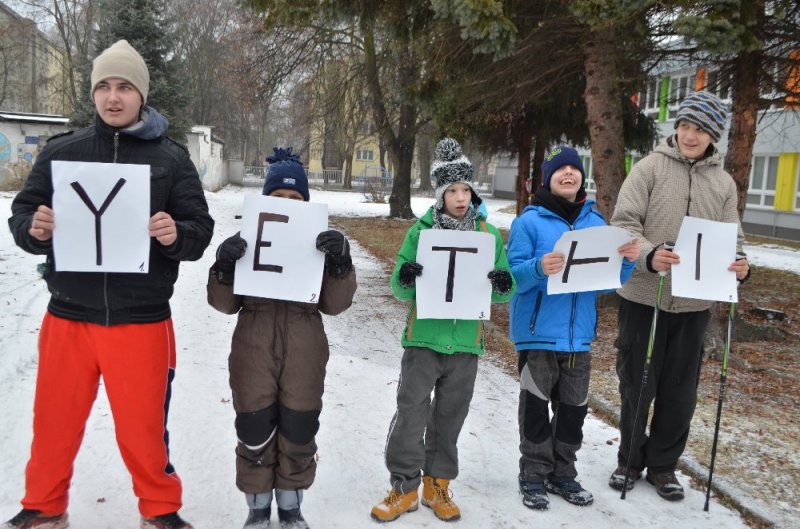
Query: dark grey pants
point(548, 446)
point(424, 432)
point(672, 383)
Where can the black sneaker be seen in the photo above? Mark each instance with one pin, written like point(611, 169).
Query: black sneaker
point(258, 518)
point(617, 479)
point(29, 518)
point(570, 490)
point(291, 519)
point(165, 521)
point(666, 485)
point(534, 495)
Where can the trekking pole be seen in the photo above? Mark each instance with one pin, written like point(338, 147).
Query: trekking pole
point(646, 371)
point(723, 376)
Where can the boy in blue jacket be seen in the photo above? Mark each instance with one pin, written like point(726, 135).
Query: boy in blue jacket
point(553, 333)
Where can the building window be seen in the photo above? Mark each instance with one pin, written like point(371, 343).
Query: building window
point(797, 191)
point(648, 100)
point(763, 177)
point(365, 155)
point(679, 87)
point(719, 85)
point(590, 184)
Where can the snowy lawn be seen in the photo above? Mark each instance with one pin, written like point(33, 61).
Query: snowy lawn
point(358, 405)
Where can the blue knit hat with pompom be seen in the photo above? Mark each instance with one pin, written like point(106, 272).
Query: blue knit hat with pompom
point(285, 172)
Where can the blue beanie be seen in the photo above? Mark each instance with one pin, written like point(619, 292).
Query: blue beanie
point(285, 172)
point(706, 111)
point(558, 158)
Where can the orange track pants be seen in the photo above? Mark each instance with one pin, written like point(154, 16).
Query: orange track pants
point(137, 363)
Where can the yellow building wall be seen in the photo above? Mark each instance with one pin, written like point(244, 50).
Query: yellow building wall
point(787, 181)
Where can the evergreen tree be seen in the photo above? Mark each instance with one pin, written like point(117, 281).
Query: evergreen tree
point(753, 46)
point(145, 25)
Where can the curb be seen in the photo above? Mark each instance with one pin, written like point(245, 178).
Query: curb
point(738, 499)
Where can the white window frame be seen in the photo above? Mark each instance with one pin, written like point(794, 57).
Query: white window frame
point(365, 155)
point(797, 190)
point(680, 86)
point(762, 197)
point(649, 100)
point(716, 88)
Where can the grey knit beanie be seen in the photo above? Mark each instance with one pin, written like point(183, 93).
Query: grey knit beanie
point(450, 166)
point(123, 61)
point(705, 110)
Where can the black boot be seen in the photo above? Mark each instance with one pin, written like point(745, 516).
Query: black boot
point(258, 518)
point(291, 519)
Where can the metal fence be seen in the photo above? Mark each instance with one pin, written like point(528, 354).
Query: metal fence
point(334, 178)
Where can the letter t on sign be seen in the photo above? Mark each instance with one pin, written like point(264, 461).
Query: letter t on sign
point(263, 218)
point(451, 269)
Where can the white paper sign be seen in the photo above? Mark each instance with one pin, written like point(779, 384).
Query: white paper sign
point(706, 248)
point(101, 213)
point(282, 260)
point(454, 283)
point(592, 260)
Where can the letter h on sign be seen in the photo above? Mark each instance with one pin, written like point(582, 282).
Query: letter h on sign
point(571, 261)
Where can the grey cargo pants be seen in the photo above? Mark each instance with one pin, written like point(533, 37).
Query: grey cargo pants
point(424, 432)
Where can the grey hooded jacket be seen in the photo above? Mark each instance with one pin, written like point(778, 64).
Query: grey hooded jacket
point(660, 190)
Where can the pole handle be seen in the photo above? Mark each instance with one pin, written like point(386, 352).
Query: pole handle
point(669, 245)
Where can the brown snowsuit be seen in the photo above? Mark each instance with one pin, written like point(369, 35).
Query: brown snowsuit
point(277, 372)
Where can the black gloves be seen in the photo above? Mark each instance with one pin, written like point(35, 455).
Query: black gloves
point(501, 281)
point(337, 252)
point(409, 271)
point(231, 250)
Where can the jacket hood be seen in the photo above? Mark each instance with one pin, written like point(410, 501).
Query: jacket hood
point(669, 147)
point(151, 126)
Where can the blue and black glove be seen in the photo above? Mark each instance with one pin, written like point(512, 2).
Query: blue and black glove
point(337, 252)
point(409, 272)
point(231, 250)
point(501, 281)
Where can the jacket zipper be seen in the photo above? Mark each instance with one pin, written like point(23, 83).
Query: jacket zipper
point(572, 321)
point(572, 309)
point(105, 274)
point(535, 314)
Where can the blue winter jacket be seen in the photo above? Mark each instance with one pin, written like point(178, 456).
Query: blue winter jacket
point(557, 322)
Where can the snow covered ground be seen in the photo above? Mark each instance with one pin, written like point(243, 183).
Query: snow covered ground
point(358, 405)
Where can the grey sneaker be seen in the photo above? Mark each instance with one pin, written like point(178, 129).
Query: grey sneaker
point(31, 519)
point(534, 495)
point(617, 479)
point(666, 485)
point(570, 490)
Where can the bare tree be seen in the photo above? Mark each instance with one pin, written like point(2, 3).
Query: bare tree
point(71, 24)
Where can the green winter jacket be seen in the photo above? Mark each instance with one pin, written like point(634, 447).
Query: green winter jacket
point(444, 336)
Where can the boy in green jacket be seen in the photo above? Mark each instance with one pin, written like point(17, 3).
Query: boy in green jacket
point(441, 355)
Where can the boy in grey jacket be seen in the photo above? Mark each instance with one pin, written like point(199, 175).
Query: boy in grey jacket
point(683, 176)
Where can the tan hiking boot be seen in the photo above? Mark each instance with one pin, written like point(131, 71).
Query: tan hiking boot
point(395, 504)
point(438, 497)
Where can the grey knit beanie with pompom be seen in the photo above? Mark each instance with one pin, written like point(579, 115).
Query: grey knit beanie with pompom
point(449, 167)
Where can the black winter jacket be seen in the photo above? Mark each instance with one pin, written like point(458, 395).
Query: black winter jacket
point(175, 188)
